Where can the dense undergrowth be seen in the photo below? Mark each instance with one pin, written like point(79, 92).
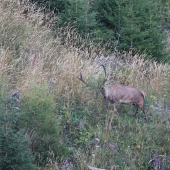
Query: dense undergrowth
point(60, 122)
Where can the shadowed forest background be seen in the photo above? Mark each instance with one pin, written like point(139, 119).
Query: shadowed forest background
point(49, 119)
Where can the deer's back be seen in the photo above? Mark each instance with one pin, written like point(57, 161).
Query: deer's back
point(123, 94)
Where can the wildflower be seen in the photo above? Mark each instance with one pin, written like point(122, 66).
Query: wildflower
point(153, 97)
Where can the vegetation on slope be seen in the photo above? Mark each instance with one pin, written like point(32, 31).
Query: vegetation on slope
point(57, 119)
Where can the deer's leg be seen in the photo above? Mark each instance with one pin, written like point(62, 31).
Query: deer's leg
point(104, 103)
point(141, 103)
point(143, 109)
point(137, 107)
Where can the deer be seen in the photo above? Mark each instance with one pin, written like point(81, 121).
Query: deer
point(118, 93)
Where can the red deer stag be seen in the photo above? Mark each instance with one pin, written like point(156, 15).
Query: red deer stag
point(118, 93)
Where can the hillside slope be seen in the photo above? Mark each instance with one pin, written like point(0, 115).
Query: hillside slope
point(43, 65)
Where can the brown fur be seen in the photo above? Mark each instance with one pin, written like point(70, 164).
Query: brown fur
point(118, 93)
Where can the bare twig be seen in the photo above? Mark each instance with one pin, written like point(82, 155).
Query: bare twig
point(156, 163)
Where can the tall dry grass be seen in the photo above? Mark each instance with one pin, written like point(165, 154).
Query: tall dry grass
point(30, 53)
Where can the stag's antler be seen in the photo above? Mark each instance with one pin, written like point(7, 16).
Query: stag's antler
point(87, 85)
point(81, 79)
point(102, 63)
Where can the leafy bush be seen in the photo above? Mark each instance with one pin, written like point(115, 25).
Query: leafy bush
point(42, 123)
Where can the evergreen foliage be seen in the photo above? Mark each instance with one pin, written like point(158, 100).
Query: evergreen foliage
point(79, 14)
point(135, 24)
point(14, 145)
point(56, 5)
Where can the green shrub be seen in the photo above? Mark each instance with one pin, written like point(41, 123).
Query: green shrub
point(41, 122)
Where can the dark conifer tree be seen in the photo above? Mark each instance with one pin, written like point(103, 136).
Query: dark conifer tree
point(135, 23)
point(14, 145)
